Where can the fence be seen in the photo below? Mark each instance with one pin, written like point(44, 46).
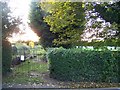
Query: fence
point(23, 54)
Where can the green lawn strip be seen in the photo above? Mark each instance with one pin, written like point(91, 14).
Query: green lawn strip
point(30, 65)
point(21, 73)
point(22, 79)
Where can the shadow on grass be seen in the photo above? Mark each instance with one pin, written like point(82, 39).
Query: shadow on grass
point(22, 73)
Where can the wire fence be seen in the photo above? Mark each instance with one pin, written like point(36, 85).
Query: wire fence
point(24, 54)
point(22, 59)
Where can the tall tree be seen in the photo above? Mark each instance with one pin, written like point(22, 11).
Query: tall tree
point(9, 23)
point(6, 46)
point(111, 13)
point(8, 26)
point(102, 23)
point(39, 26)
point(66, 20)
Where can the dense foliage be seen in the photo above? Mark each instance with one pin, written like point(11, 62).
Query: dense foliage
point(103, 23)
point(6, 56)
point(110, 13)
point(20, 49)
point(9, 24)
point(66, 20)
point(84, 65)
point(39, 26)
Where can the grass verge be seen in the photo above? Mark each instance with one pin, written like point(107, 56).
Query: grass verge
point(21, 74)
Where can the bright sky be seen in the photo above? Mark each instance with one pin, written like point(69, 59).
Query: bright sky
point(21, 8)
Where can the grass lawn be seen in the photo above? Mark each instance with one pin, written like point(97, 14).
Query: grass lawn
point(22, 73)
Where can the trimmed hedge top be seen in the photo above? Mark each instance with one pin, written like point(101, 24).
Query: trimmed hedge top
point(84, 65)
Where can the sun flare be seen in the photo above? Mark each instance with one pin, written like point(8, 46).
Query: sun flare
point(21, 8)
point(27, 35)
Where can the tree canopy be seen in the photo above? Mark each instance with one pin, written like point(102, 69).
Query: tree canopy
point(66, 19)
point(111, 13)
point(39, 26)
point(9, 23)
point(65, 22)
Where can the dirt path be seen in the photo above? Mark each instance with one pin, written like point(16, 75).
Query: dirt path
point(48, 82)
point(52, 83)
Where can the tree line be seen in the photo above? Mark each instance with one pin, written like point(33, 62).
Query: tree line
point(63, 23)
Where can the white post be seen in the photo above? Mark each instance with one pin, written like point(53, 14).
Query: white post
point(22, 58)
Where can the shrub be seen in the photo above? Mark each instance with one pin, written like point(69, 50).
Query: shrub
point(16, 61)
point(41, 52)
point(84, 65)
point(14, 50)
point(23, 50)
point(6, 56)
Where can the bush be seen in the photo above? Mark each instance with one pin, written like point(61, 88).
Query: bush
point(22, 49)
point(84, 65)
point(6, 57)
point(41, 52)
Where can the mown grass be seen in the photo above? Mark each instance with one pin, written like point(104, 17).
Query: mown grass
point(21, 73)
point(31, 65)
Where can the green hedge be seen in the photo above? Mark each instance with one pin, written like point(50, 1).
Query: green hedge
point(84, 65)
point(6, 57)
